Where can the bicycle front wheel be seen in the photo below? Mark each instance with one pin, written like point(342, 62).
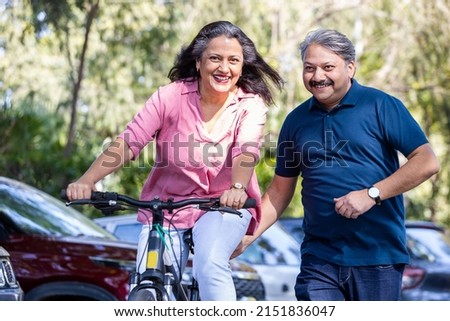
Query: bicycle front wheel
point(143, 294)
point(148, 292)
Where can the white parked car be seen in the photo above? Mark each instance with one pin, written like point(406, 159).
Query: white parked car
point(275, 255)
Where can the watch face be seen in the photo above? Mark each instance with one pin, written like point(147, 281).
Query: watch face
point(374, 192)
point(238, 185)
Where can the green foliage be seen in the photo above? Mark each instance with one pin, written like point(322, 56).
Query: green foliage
point(402, 47)
point(29, 136)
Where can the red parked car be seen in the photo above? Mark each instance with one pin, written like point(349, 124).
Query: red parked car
point(58, 253)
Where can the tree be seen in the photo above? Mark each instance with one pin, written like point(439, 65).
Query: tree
point(93, 64)
point(60, 14)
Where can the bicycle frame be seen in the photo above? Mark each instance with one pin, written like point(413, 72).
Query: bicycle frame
point(160, 281)
point(160, 273)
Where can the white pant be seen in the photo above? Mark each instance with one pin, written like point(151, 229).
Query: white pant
point(215, 236)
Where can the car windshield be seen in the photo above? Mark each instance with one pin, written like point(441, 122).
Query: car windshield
point(275, 246)
point(128, 232)
point(293, 227)
point(36, 212)
point(428, 243)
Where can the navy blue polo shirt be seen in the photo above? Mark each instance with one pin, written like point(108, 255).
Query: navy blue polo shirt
point(350, 148)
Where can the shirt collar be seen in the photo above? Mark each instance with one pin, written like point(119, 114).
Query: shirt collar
point(190, 86)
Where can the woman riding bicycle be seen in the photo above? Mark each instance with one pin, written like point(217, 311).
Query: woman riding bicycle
point(207, 125)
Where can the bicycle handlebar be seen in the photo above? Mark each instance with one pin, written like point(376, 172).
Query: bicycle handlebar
point(110, 202)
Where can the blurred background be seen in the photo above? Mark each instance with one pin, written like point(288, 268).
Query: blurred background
point(74, 72)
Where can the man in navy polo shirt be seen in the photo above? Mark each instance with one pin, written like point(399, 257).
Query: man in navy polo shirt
point(344, 143)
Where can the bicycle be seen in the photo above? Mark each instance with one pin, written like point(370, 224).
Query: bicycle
point(161, 280)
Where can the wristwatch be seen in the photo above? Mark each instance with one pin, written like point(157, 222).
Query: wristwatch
point(374, 193)
point(239, 186)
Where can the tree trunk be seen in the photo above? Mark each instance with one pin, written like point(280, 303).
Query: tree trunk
point(92, 13)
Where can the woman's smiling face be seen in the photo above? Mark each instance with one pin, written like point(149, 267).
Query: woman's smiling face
point(220, 65)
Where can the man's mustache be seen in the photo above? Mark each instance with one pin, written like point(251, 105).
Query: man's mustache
point(313, 83)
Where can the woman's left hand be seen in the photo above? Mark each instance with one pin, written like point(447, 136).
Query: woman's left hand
point(234, 198)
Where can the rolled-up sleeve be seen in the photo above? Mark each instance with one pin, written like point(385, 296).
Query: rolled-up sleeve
point(143, 127)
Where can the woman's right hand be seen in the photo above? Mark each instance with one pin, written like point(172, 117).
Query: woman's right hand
point(80, 189)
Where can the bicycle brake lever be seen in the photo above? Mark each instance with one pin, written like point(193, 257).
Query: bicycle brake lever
point(77, 202)
point(220, 209)
point(228, 210)
point(108, 209)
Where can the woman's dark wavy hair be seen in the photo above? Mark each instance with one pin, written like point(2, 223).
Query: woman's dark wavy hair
point(255, 73)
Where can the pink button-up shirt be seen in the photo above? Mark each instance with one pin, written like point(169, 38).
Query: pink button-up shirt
point(190, 161)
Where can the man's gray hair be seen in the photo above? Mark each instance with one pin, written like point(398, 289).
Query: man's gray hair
point(332, 40)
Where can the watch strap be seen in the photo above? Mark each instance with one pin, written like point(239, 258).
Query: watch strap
point(238, 186)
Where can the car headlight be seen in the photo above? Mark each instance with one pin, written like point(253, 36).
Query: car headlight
point(7, 277)
point(2, 277)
